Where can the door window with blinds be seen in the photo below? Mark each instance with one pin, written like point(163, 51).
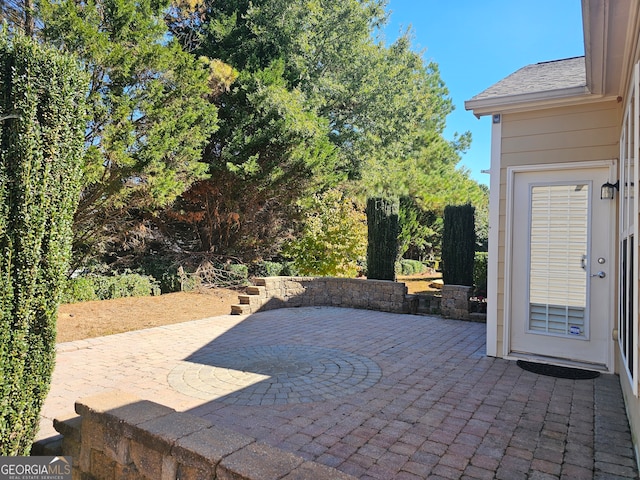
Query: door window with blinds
point(558, 246)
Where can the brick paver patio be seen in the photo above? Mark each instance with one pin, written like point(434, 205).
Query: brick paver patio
point(375, 395)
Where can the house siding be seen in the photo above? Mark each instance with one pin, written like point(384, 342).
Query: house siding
point(547, 136)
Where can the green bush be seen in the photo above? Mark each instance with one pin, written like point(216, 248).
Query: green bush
point(332, 238)
point(103, 287)
point(239, 271)
point(383, 230)
point(165, 271)
point(273, 269)
point(267, 269)
point(41, 143)
point(458, 245)
point(411, 267)
point(79, 289)
point(480, 273)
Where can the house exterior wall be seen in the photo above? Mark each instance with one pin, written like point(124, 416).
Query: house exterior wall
point(577, 133)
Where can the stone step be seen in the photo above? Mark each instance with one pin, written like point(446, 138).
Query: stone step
point(257, 290)
point(249, 299)
point(240, 309)
point(260, 282)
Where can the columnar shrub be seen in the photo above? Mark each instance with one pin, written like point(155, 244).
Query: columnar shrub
point(41, 140)
point(383, 230)
point(458, 245)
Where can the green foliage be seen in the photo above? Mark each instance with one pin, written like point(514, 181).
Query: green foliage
point(480, 273)
point(103, 287)
point(383, 229)
point(149, 111)
point(411, 267)
point(240, 271)
point(458, 245)
point(333, 237)
point(270, 151)
point(42, 102)
point(482, 222)
point(161, 268)
point(420, 230)
point(267, 269)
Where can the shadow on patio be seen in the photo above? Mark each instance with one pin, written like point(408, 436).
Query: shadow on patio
point(375, 395)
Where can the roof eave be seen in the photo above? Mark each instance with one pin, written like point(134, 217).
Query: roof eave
point(528, 101)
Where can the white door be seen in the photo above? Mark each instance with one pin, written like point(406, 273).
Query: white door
point(562, 267)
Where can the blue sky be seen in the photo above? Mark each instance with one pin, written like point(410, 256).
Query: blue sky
point(477, 43)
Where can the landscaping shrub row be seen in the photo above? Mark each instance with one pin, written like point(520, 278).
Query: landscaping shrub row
point(103, 287)
point(411, 267)
point(129, 284)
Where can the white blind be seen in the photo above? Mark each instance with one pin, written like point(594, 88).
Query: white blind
point(558, 245)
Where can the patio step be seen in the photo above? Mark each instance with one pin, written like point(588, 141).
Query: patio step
point(249, 299)
point(258, 290)
point(240, 309)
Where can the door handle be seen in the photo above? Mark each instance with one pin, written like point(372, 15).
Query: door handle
point(600, 274)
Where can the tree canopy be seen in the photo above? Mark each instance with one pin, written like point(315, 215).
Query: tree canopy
point(149, 111)
point(212, 125)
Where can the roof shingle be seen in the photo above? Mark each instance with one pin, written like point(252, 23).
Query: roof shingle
point(538, 78)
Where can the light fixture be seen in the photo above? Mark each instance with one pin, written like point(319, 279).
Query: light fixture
point(607, 191)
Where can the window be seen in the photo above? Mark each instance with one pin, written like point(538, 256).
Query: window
point(559, 233)
point(628, 285)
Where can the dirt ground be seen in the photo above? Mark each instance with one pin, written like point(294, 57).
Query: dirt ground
point(77, 321)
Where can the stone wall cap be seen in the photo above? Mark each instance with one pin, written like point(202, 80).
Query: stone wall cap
point(209, 445)
point(174, 426)
point(121, 406)
point(258, 461)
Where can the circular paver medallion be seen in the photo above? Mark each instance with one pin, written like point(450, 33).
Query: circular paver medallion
point(274, 374)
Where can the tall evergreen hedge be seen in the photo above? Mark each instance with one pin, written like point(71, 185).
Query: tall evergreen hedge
point(41, 141)
point(458, 245)
point(383, 229)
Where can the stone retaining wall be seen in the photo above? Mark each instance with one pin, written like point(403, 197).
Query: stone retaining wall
point(281, 292)
point(119, 436)
point(455, 301)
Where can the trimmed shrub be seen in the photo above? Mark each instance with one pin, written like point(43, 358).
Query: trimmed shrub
point(411, 267)
point(273, 269)
point(103, 287)
point(480, 273)
point(240, 272)
point(458, 245)
point(41, 143)
point(383, 229)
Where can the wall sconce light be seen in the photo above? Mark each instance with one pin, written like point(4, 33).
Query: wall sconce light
point(607, 191)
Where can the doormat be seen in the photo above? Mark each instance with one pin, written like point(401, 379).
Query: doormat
point(558, 372)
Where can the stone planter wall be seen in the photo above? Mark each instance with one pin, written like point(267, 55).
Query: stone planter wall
point(283, 292)
point(455, 301)
point(119, 436)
